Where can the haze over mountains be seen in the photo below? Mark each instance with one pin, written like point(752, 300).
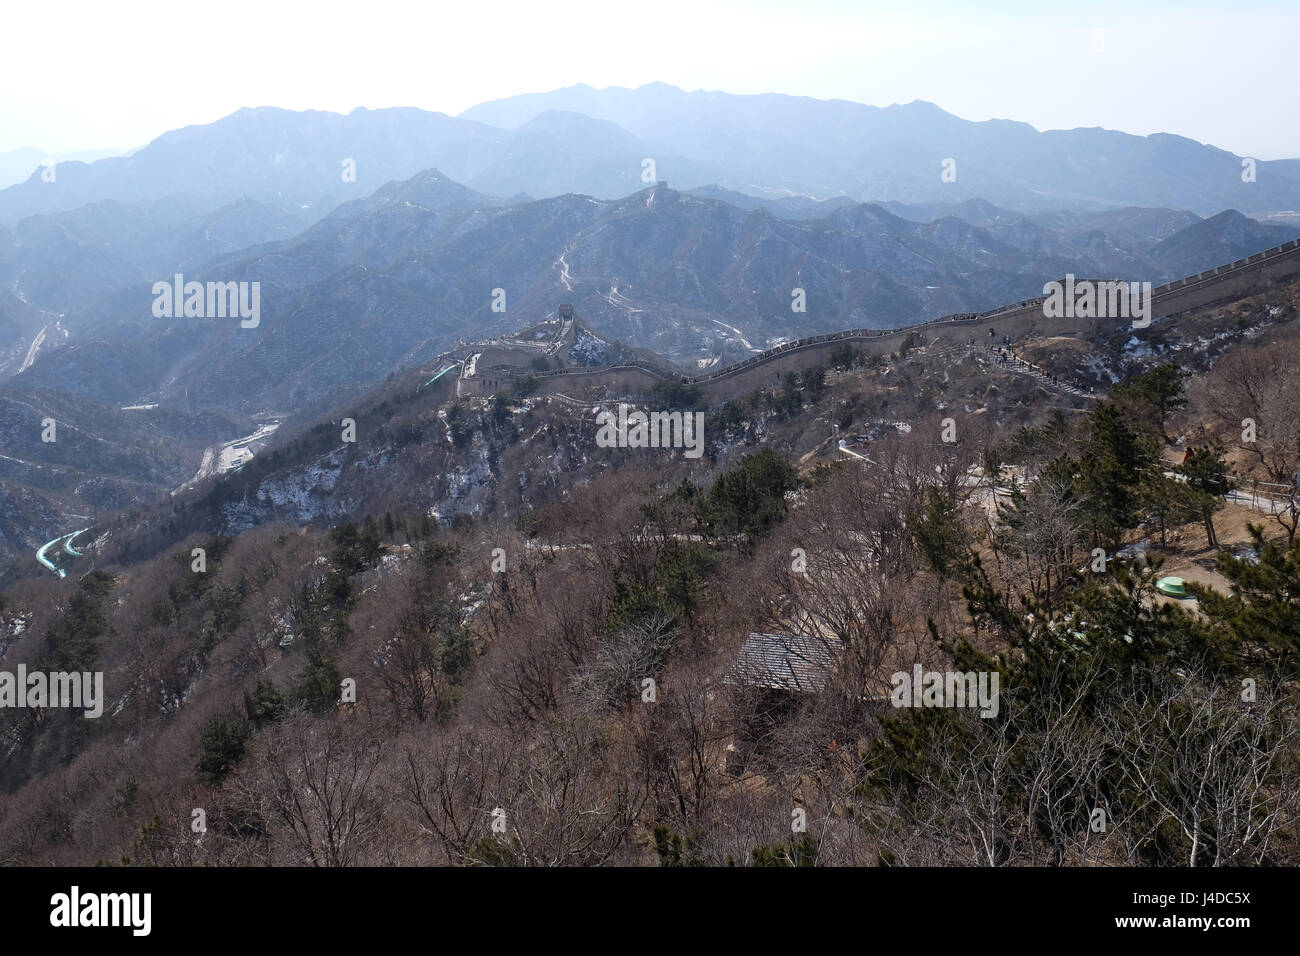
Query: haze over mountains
point(17, 164)
point(546, 197)
point(593, 141)
point(405, 274)
point(645, 475)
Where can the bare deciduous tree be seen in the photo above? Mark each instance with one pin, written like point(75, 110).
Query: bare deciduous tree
point(317, 780)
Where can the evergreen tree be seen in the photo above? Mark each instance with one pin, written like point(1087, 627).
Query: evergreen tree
point(265, 704)
point(319, 683)
point(1206, 474)
point(1165, 501)
point(1163, 389)
point(73, 638)
point(1113, 458)
point(750, 497)
point(940, 534)
point(1260, 619)
point(814, 382)
point(221, 746)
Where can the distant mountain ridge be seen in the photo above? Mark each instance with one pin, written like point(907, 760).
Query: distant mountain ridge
point(822, 148)
point(393, 281)
point(16, 165)
point(748, 199)
point(597, 142)
point(396, 278)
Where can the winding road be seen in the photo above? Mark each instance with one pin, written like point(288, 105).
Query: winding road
point(67, 547)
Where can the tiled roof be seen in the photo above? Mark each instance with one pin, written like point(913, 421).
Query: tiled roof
point(784, 662)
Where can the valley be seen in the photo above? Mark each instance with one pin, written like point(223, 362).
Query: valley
point(646, 476)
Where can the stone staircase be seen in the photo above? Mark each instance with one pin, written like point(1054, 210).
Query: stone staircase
point(1008, 359)
point(1005, 358)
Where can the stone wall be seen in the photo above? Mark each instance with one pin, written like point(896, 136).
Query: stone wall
point(1229, 281)
point(1009, 323)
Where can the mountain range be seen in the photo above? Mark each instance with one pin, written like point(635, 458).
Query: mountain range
point(404, 274)
point(380, 239)
point(17, 164)
point(596, 142)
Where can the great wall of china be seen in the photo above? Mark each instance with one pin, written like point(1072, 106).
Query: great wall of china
point(491, 365)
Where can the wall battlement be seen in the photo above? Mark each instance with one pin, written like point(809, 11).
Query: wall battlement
point(1017, 319)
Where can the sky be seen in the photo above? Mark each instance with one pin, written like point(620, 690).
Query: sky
point(91, 75)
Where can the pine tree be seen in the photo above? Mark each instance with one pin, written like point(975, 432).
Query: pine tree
point(1113, 459)
point(1162, 388)
point(1206, 475)
point(1260, 619)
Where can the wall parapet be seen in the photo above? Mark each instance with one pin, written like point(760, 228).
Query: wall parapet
point(1174, 289)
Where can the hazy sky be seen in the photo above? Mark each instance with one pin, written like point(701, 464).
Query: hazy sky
point(89, 75)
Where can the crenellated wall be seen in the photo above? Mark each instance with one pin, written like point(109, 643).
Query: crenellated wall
point(1275, 265)
point(1015, 321)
